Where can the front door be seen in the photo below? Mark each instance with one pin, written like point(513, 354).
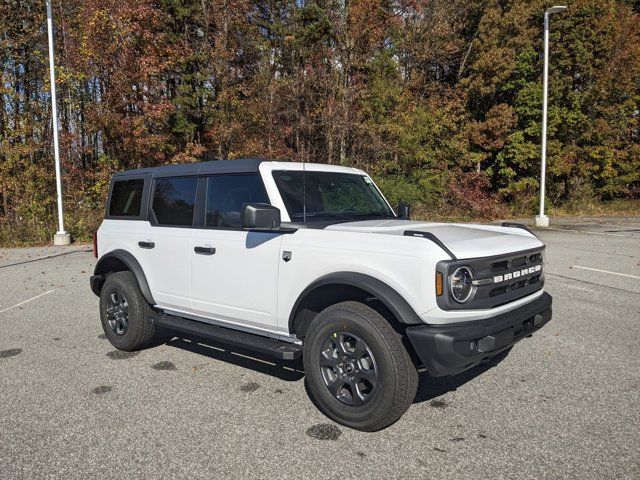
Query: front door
point(234, 273)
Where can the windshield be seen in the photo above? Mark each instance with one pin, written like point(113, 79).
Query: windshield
point(330, 195)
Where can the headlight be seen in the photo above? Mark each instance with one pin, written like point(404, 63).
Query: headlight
point(460, 285)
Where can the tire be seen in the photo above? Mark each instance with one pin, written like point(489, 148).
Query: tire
point(376, 404)
point(139, 332)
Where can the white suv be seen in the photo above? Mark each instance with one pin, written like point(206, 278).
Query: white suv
point(288, 259)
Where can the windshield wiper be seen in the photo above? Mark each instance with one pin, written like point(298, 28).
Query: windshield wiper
point(373, 214)
point(322, 215)
point(345, 215)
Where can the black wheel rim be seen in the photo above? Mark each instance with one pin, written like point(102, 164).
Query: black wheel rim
point(349, 369)
point(117, 312)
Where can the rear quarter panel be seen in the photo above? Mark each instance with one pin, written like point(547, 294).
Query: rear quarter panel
point(118, 234)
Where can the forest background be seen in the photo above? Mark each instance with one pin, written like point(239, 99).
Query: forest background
point(439, 100)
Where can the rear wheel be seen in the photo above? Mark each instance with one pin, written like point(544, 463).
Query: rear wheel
point(357, 369)
point(125, 314)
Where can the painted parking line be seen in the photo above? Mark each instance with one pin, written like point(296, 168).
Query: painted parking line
point(27, 301)
point(586, 232)
point(606, 271)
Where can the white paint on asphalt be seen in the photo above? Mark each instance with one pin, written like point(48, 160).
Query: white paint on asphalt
point(607, 234)
point(27, 301)
point(606, 271)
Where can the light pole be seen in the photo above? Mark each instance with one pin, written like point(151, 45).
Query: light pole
point(542, 220)
point(61, 237)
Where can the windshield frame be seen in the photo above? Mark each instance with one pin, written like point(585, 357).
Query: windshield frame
point(330, 217)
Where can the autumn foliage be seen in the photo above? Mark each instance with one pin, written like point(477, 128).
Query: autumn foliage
point(440, 100)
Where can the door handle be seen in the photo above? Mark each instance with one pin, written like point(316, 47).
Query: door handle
point(204, 250)
point(146, 244)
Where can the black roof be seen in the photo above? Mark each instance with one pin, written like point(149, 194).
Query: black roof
point(241, 165)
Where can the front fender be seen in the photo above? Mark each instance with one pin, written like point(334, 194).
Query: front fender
point(383, 292)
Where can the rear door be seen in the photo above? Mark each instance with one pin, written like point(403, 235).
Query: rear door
point(234, 272)
point(163, 242)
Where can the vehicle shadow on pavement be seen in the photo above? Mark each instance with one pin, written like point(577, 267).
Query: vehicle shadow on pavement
point(289, 371)
point(430, 387)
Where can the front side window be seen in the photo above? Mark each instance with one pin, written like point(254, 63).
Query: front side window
point(330, 195)
point(227, 193)
point(126, 198)
point(173, 200)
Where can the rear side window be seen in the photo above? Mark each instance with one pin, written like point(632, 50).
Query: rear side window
point(126, 198)
point(227, 193)
point(173, 200)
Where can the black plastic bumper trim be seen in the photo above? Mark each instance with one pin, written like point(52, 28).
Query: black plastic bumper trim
point(454, 348)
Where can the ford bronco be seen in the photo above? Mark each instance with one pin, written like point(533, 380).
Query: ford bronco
point(306, 260)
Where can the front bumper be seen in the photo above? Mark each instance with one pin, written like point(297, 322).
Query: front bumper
point(451, 349)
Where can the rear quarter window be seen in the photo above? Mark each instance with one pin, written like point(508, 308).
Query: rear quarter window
point(126, 198)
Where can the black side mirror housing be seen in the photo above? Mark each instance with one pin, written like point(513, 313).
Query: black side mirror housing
point(260, 216)
point(404, 211)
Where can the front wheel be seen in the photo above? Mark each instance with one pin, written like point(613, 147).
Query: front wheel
point(358, 372)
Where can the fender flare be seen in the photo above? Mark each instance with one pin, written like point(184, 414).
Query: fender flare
point(102, 268)
point(398, 306)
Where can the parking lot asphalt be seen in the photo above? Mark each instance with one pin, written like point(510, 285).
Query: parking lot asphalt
point(564, 404)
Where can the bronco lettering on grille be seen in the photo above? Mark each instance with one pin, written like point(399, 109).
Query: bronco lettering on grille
point(516, 274)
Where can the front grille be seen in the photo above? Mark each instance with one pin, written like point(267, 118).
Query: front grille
point(504, 279)
point(535, 258)
point(498, 267)
point(514, 286)
point(519, 262)
point(498, 291)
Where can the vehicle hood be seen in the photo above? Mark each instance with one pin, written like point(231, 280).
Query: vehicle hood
point(463, 239)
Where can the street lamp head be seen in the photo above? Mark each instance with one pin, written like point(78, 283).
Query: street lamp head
point(556, 9)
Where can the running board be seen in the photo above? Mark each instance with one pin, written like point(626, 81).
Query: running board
point(267, 346)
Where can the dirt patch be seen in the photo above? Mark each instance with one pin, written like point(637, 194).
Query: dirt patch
point(10, 353)
point(324, 431)
point(250, 387)
point(102, 389)
point(120, 355)
point(164, 366)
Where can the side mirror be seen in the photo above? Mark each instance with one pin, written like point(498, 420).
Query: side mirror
point(260, 216)
point(404, 211)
